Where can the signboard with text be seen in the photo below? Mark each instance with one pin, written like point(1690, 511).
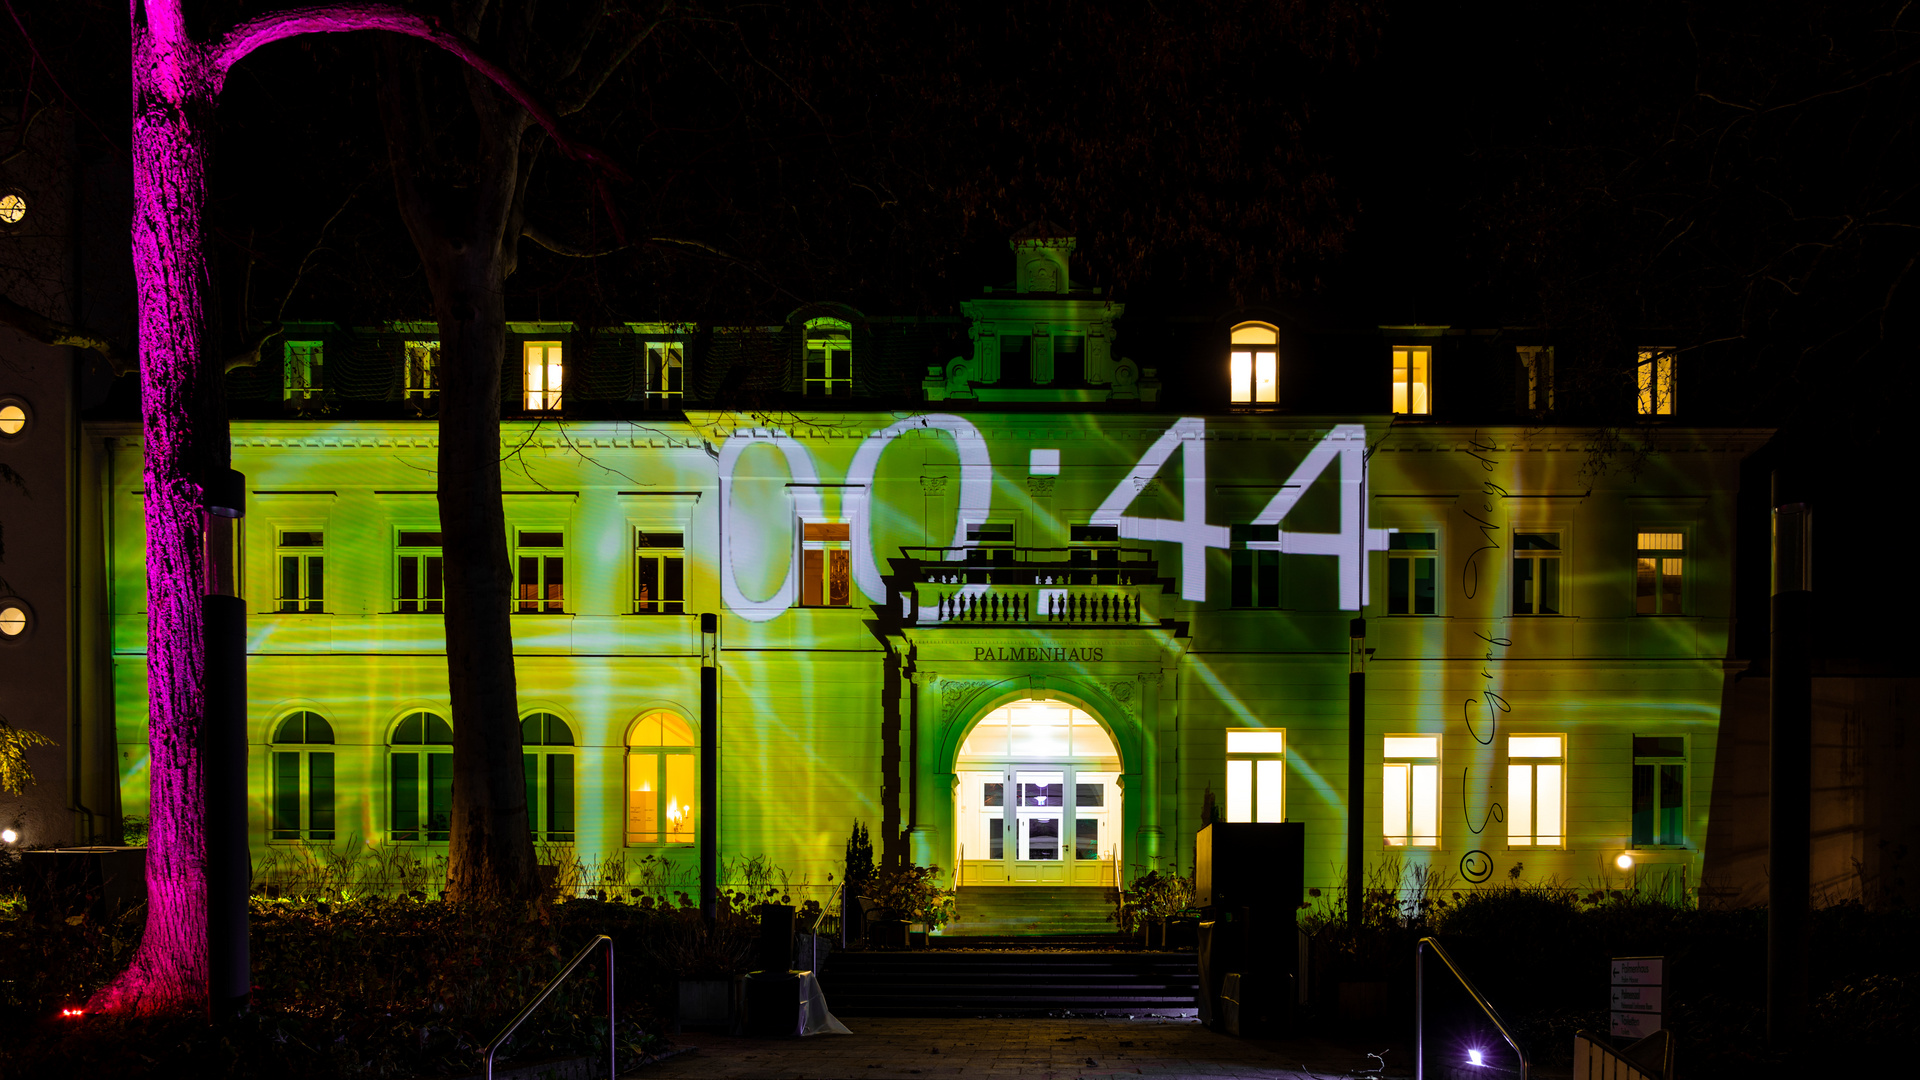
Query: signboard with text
point(1636, 994)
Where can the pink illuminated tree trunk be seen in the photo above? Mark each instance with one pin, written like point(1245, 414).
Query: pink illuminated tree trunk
point(176, 82)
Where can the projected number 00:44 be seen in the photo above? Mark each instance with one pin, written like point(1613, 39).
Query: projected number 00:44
point(1344, 445)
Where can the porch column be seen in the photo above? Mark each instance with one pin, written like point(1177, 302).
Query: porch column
point(893, 846)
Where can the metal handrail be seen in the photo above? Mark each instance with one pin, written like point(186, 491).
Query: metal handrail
point(1419, 1007)
point(813, 932)
point(547, 990)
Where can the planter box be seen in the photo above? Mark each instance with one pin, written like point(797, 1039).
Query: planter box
point(712, 1004)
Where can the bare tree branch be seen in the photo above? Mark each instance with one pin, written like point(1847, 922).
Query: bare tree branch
point(579, 92)
point(54, 332)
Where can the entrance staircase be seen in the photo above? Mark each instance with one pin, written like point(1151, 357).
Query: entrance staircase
point(942, 982)
point(1023, 911)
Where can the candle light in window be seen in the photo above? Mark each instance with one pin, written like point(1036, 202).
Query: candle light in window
point(674, 812)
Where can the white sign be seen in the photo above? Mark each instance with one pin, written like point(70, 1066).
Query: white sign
point(1635, 1025)
point(1636, 999)
point(1639, 970)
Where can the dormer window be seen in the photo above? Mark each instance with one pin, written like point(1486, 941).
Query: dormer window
point(1656, 378)
point(829, 358)
point(1254, 364)
point(1413, 379)
point(545, 374)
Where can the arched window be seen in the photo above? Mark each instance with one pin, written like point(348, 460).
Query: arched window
point(300, 767)
point(662, 780)
point(421, 790)
point(1254, 364)
point(549, 761)
point(829, 358)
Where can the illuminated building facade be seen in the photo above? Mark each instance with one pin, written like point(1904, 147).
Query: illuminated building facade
point(993, 586)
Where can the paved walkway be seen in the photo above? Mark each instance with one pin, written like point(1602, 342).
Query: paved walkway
point(1043, 1049)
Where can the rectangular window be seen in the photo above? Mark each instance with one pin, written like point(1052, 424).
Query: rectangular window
point(1255, 376)
point(659, 573)
point(303, 570)
point(1536, 573)
point(1659, 573)
point(1536, 796)
point(1016, 366)
point(1410, 790)
point(294, 818)
point(829, 367)
point(1093, 554)
point(1256, 573)
point(550, 797)
point(1411, 570)
point(418, 584)
point(1656, 382)
point(423, 369)
point(540, 571)
point(406, 817)
point(306, 370)
point(1536, 377)
point(1256, 775)
point(1413, 379)
point(1659, 791)
point(660, 798)
point(545, 375)
point(666, 369)
point(826, 565)
point(1069, 360)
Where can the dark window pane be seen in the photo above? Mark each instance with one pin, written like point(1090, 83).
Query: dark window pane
point(1086, 839)
point(1536, 541)
point(1643, 808)
point(994, 795)
point(316, 583)
point(1673, 802)
point(289, 583)
point(1523, 587)
point(996, 839)
point(286, 796)
point(541, 540)
point(556, 575)
point(409, 585)
point(1659, 746)
point(530, 769)
point(530, 730)
point(1643, 598)
point(1423, 589)
point(1242, 588)
point(1410, 541)
point(673, 585)
point(439, 795)
point(1399, 586)
point(1043, 838)
point(409, 730)
point(1670, 587)
point(434, 591)
point(1089, 794)
point(1093, 534)
point(318, 730)
point(420, 539)
point(560, 797)
point(438, 733)
point(302, 539)
point(660, 540)
point(1241, 534)
point(406, 796)
point(529, 584)
point(812, 570)
point(320, 796)
point(1268, 565)
point(292, 730)
point(1549, 598)
point(647, 584)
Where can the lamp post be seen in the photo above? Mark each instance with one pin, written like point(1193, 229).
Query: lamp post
point(229, 865)
point(1356, 767)
point(1790, 738)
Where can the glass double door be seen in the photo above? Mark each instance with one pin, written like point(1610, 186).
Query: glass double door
point(1041, 824)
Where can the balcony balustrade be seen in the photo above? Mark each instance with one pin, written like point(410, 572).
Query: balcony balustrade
point(1101, 587)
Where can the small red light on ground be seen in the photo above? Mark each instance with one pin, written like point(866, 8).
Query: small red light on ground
point(70, 1013)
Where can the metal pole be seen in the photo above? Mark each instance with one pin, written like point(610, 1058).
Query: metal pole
point(224, 744)
point(709, 766)
point(613, 1026)
point(1790, 736)
point(1356, 771)
point(1419, 1012)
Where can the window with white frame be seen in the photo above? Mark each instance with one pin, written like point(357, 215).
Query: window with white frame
point(547, 756)
point(1412, 569)
point(662, 779)
point(1093, 554)
point(305, 370)
point(1255, 581)
point(1536, 375)
point(665, 370)
point(826, 564)
point(422, 369)
point(1410, 790)
point(659, 572)
point(540, 571)
point(302, 555)
point(545, 368)
point(418, 584)
point(1413, 379)
point(1659, 573)
point(1655, 381)
point(420, 779)
point(1256, 774)
point(1536, 792)
point(302, 788)
point(1659, 791)
point(1536, 573)
point(829, 360)
point(1253, 364)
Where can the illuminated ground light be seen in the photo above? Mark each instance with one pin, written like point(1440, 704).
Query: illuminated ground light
point(8, 836)
point(1624, 860)
point(1473, 1058)
point(72, 1013)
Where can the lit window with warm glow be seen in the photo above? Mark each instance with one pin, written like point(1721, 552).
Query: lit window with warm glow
point(826, 564)
point(303, 570)
point(13, 419)
point(1659, 791)
point(422, 369)
point(1256, 775)
point(302, 778)
point(662, 780)
point(1410, 790)
point(1536, 799)
point(420, 779)
point(1536, 377)
point(547, 755)
point(666, 370)
point(1413, 379)
point(1254, 364)
point(1656, 382)
point(1659, 573)
point(540, 571)
point(545, 375)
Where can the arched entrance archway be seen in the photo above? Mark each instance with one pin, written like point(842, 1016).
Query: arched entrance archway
point(1038, 798)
